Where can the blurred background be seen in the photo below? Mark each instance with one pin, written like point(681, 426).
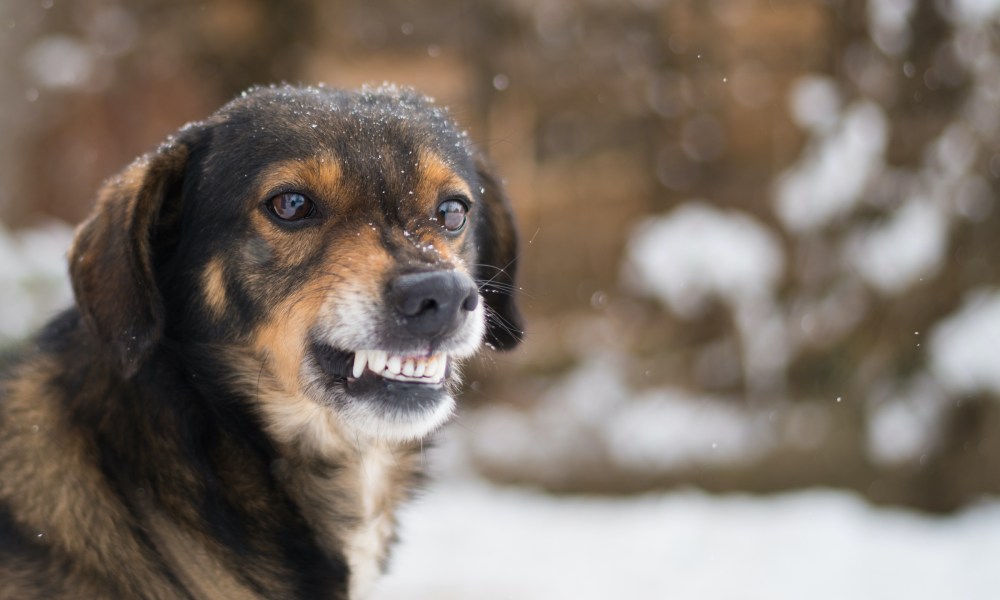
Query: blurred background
point(760, 255)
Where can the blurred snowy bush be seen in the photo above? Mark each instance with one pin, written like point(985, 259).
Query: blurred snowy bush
point(33, 278)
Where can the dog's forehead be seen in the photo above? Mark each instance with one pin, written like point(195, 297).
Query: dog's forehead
point(378, 124)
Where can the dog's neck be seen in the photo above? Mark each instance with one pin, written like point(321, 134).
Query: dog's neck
point(348, 490)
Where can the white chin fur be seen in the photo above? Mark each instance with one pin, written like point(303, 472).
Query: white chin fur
point(374, 424)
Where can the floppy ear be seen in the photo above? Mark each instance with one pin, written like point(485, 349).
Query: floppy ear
point(111, 259)
point(497, 244)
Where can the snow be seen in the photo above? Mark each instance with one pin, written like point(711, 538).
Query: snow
point(830, 179)
point(910, 246)
point(666, 429)
point(888, 24)
point(33, 280)
point(904, 426)
point(815, 102)
point(963, 347)
point(468, 539)
point(593, 416)
point(975, 11)
point(60, 62)
point(698, 252)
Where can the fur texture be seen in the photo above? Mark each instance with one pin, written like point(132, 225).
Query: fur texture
point(197, 425)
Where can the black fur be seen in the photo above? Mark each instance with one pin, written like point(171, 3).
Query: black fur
point(132, 422)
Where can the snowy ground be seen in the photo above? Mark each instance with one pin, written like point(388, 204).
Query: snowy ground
point(467, 539)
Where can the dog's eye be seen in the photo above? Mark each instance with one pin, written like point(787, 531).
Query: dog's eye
point(452, 214)
point(291, 206)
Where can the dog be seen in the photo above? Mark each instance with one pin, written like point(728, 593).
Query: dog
point(270, 313)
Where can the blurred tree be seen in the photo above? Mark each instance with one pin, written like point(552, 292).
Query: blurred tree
point(850, 146)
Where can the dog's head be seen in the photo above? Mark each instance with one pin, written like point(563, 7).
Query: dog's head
point(342, 251)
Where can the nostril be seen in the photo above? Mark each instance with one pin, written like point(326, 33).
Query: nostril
point(428, 305)
point(471, 301)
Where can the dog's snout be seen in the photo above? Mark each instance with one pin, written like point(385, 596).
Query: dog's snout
point(433, 303)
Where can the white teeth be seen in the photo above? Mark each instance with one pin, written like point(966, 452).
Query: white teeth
point(394, 364)
point(360, 358)
point(376, 360)
point(413, 369)
point(432, 367)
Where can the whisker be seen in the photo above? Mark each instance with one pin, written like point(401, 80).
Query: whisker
point(509, 289)
point(492, 315)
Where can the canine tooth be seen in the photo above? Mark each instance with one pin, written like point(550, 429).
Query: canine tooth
point(393, 364)
point(360, 358)
point(419, 367)
point(376, 360)
point(408, 367)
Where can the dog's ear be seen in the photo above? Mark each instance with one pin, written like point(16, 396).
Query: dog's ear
point(497, 244)
point(111, 259)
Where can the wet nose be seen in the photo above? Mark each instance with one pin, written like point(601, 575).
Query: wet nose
point(433, 303)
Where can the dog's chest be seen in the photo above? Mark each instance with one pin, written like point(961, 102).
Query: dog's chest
point(351, 510)
point(366, 544)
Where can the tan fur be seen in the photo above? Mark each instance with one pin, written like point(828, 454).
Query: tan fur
point(354, 507)
point(437, 176)
point(198, 567)
point(319, 175)
point(191, 427)
point(44, 487)
point(214, 287)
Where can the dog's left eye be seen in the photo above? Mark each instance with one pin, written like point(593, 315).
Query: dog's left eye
point(453, 214)
point(291, 206)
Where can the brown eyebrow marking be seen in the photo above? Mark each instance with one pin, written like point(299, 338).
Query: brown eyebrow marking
point(320, 175)
point(437, 176)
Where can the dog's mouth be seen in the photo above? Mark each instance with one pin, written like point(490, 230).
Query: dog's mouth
point(388, 388)
point(426, 370)
point(393, 396)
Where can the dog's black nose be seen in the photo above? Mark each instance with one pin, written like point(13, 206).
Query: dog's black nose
point(433, 303)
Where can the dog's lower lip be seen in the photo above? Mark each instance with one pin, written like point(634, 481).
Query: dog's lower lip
point(334, 362)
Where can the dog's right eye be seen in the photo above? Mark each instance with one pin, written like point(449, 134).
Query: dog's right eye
point(291, 207)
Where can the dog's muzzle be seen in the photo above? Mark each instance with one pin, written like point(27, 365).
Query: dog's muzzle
point(425, 324)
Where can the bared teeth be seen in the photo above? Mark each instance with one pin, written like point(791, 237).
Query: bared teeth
point(393, 365)
point(377, 360)
point(434, 366)
point(419, 369)
point(360, 359)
